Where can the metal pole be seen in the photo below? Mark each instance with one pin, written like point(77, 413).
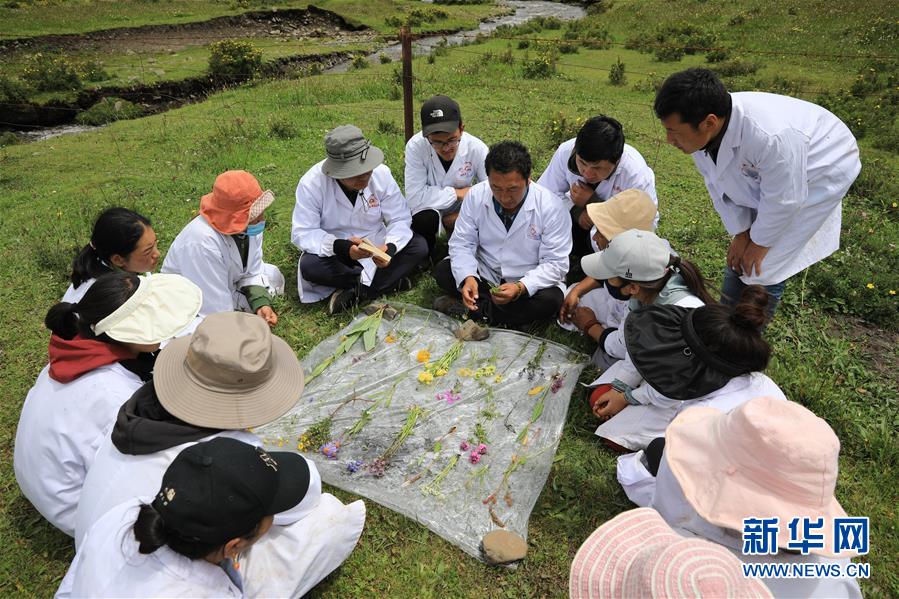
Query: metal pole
point(406, 41)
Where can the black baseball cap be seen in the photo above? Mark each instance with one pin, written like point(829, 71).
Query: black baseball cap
point(440, 114)
point(219, 490)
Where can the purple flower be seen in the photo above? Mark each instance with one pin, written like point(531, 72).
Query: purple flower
point(330, 449)
point(482, 449)
point(449, 396)
point(463, 446)
point(474, 457)
point(354, 465)
point(557, 383)
point(377, 467)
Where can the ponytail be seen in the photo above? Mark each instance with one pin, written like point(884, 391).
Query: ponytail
point(62, 320)
point(693, 279)
point(736, 333)
point(103, 298)
point(116, 231)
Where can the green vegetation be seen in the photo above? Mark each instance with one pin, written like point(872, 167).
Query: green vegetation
point(108, 110)
point(233, 59)
point(825, 357)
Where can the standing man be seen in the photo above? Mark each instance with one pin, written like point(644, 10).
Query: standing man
point(442, 163)
point(346, 197)
point(593, 167)
point(776, 167)
point(509, 252)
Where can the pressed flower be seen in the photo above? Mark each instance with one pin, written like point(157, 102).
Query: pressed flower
point(490, 369)
point(465, 372)
point(482, 449)
point(441, 372)
point(498, 378)
point(536, 390)
point(354, 465)
point(474, 457)
point(423, 356)
point(390, 338)
point(425, 377)
point(463, 446)
point(557, 383)
point(330, 449)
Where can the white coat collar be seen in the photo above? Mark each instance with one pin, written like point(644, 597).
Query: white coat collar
point(733, 137)
point(529, 204)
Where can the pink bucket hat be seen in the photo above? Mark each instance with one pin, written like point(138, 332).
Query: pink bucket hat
point(636, 554)
point(766, 458)
point(236, 199)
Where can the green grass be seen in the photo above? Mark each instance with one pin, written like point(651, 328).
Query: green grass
point(840, 367)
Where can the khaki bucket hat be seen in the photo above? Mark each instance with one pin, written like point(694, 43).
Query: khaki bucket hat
point(349, 153)
point(232, 373)
point(630, 209)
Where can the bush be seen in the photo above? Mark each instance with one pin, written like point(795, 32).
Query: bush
point(669, 53)
point(671, 42)
point(455, 2)
point(735, 68)
point(416, 17)
point(541, 67)
point(560, 129)
point(8, 138)
point(568, 48)
point(717, 55)
point(109, 110)
point(524, 44)
point(282, 128)
point(93, 71)
point(507, 57)
point(13, 91)
point(384, 58)
point(652, 84)
point(588, 33)
point(598, 7)
point(359, 62)
point(233, 59)
point(47, 73)
point(388, 128)
point(616, 73)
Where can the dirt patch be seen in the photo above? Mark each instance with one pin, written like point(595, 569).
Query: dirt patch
point(880, 347)
point(284, 25)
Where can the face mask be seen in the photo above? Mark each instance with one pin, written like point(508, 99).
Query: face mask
point(255, 229)
point(616, 292)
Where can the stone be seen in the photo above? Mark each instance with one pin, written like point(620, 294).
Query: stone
point(471, 331)
point(503, 547)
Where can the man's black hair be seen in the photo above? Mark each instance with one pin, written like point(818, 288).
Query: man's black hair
point(507, 157)
point(693, 95)
point(600, 138)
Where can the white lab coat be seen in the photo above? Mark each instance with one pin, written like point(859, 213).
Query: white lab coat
point(74, 294)
point(783, 168)
point(60, 428)
point(534, 250)
point(212, 261)
point(636, 425)
point(428, 185)
point(632, 173)
point(323, 213)
point(669, 500)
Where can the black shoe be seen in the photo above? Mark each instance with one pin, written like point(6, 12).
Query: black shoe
point(342, 299)
point(404, 284)
point(450, 306)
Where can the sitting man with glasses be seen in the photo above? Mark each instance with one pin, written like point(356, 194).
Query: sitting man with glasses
point(442, 163)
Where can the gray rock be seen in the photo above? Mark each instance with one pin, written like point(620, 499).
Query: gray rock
point(503, 547)
point(472, 331)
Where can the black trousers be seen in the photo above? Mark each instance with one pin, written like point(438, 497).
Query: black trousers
point(336, 272)
point(544, 304)
point(580, 238)
point(427, 224)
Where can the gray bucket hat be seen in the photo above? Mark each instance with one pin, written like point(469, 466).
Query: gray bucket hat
point(349, 153)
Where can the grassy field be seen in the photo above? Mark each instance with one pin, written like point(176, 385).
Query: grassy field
point(826, 356)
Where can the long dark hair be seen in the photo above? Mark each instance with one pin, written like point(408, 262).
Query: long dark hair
point(116, 231)
point(152, 533)
point(736, 333)
point(693, 278)
point(104, 297)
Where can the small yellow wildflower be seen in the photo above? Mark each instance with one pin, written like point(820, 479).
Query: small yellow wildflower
point(498, 378)
point(390, 338)
point(425, 377)
point(441, 372)
point(465, 372)
point(536, 390)
point(892, 292)
point(490, 369)
point(423, 356)
point(870, 285)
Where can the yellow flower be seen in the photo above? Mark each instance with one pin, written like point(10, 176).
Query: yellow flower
point(490, 369)
point(425, 377)
point(870, 285)
point(441, 372)
point(892, 292)
point(498, 378)
point(465, 372)
point(390, 338)
point(895, 205)
point(423, 355)
point(536, 390)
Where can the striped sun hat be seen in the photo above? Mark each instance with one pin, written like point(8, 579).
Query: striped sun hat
point(636, 554)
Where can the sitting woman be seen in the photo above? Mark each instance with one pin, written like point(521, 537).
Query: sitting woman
point(101, 351)
point(684, 357)
point(121, 240)
point(221, 249)
point(217, 500)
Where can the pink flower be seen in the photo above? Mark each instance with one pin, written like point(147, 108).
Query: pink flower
point(482, 449)
point(474, 457)
point(463, 446)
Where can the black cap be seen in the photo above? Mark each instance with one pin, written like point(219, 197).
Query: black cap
point(219, 490)
point(440, 114)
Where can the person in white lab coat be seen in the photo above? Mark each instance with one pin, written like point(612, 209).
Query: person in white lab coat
point(777, 169)
point(509, 252)
point(679, 358)
point(121, 240)
point(216, 503)
point(221, 249)
point(231, 375)
point(766, 458)
point(442, 162)
point(593, 167)
point(102, 349)
point(348, 197)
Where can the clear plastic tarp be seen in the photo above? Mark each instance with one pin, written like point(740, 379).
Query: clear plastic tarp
point(461, 445)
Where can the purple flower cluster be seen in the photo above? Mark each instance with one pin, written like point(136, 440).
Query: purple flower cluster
point(476, 452)
point(353, 466)
point(330, 449)
point(474, 457)
point(463, 446)
point(449, 395)
point(377, 467)
point(557, 382)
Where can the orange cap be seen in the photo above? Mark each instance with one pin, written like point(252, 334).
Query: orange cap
point(227, 208)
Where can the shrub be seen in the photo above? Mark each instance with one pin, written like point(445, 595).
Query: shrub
point(109, 110)
point(561, 129)
point(452, 2)
point(616, 73)
point(524, 44)
point(233, 59)
point(652, 83)
point(598, 7)
point(51, 73)
point(735, 68)
point(385, 58)
point(669, 53)
point(13, 91)
point(93, 70)
point(737, 20)
point(541, 67)
point(359, 62)
point(507, 57)
point(568, 48)
point(717, 55)
point(8, 138)
point(588, 33)
point(388, 128)
point(282, 128)
point(432, 58)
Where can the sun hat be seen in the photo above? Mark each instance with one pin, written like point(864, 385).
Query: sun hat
point(630, 209)
point(765, 458)
point(220, 489)
point(232, 373)
point(636, 554)
point(161, 306)
point(349, 153)
point(236, 199)
point(667, 352)
point(633, 255)
point(440, 114)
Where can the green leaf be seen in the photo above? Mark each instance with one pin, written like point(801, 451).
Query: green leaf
point(369, 337)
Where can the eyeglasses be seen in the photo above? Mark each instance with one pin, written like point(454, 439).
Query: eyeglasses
point(445, 145)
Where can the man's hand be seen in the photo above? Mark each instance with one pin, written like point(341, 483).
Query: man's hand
point(268, 315)
point(584, 222)
point(580, 193)
point(357, 253)
point(470, 293)
point(609, 404)
point(461, 192)
point(569, 306)
point(581, 317)
point(508, 292)
point(380, 262)
point(736, 250)
point(752, 258)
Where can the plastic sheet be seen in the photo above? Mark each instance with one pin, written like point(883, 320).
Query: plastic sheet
point(490, 395)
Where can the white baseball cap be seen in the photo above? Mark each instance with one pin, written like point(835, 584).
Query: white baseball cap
point(634, 255)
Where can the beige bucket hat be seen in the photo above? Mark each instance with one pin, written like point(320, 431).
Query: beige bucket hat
point(630, 209)
point(232, 373)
